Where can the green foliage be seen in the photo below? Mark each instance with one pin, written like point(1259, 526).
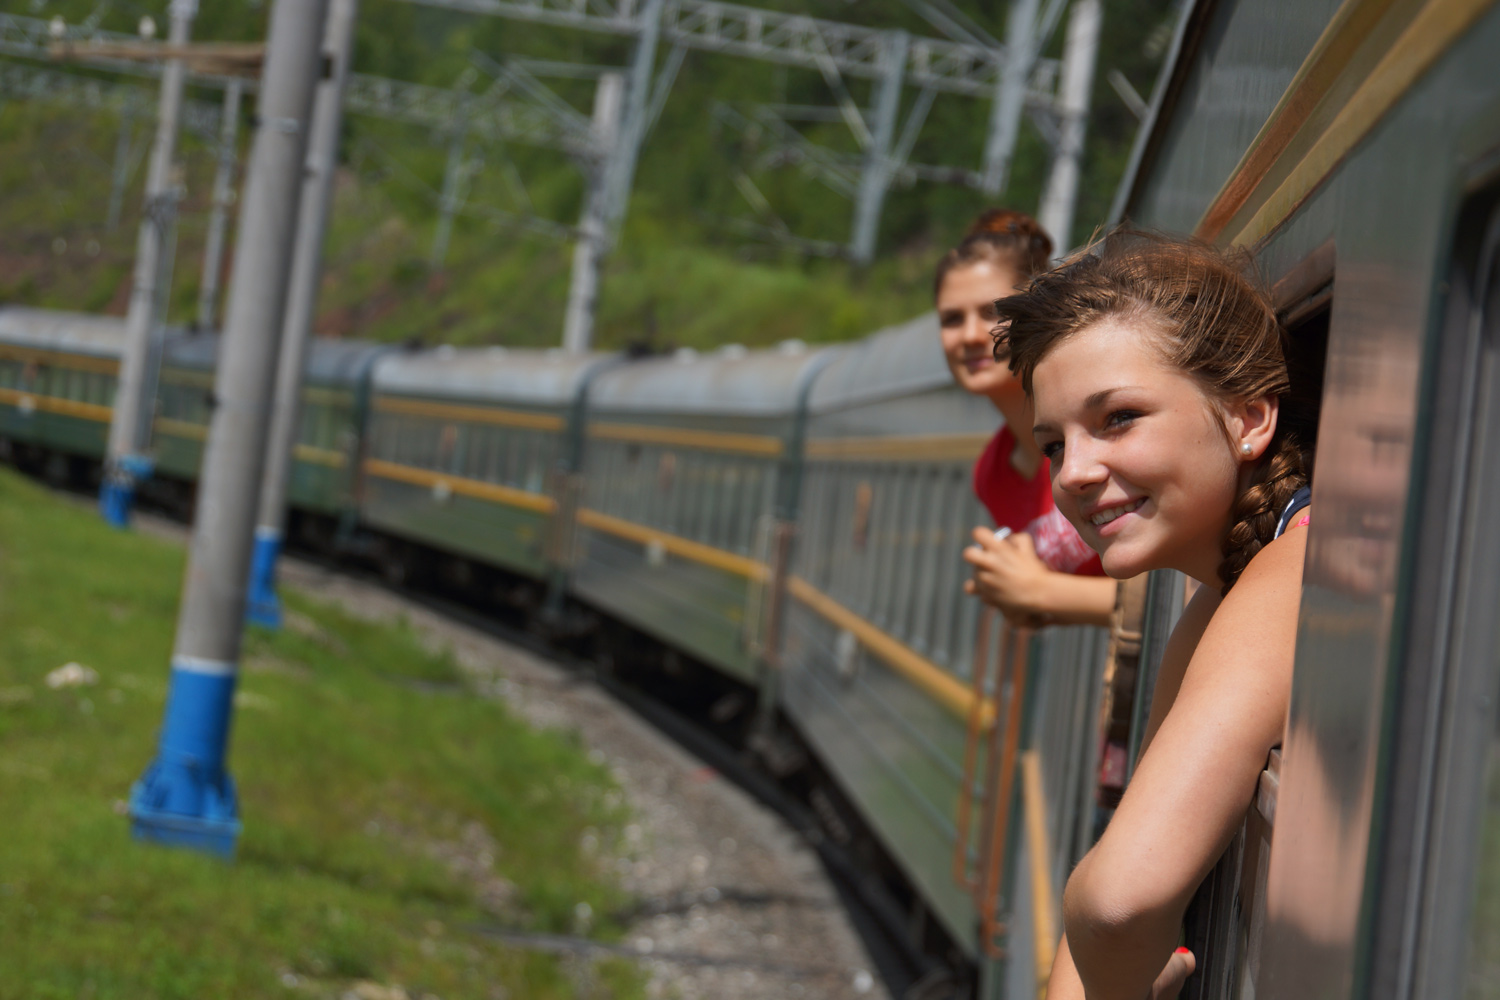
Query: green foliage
point(683, 272)
point(364, 766)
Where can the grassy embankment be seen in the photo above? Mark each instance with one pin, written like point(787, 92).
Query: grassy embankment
point(385, 812)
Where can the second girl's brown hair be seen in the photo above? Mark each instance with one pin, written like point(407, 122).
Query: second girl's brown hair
point(999, 236)
point(1209, 320)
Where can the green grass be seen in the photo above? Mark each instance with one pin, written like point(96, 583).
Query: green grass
point(363, 767)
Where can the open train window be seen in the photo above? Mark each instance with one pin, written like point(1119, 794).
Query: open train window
point(1304, 299)
point(1223, 923)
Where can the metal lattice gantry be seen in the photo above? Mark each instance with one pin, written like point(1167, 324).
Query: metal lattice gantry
point(514, 107)
point(512, 114)
point(21, 82)
point(1012, 75)
point(791, 39)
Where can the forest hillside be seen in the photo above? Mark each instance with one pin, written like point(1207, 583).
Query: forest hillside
point(698, 262)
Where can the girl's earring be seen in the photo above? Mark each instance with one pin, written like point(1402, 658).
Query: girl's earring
point(1245, 448)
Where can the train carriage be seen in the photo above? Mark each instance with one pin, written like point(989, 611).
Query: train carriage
point(1356, 148)
point(57, 379)
point(184, 395)
point(463, 447)
point(331, 418)
point(881, 645)
point(689, 463)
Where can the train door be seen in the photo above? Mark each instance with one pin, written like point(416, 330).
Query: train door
point(1432, 912)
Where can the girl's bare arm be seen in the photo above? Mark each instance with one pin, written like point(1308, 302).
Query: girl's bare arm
point(1009, 575)
point(1212, 730)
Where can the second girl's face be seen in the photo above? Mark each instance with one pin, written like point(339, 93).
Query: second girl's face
point(1138, 458)
point(966, 315)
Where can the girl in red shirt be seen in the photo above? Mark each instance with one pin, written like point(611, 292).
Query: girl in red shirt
point(1036, 569)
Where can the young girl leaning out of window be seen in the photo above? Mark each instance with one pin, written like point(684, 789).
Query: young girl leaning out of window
point(1035, 569)
point(1157, 376)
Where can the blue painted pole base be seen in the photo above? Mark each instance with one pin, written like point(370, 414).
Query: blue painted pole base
point(186, 798)
point(263, 606)
point(117, 494)
point(115, 498)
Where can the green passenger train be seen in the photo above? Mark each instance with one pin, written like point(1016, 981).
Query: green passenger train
point(791, 520)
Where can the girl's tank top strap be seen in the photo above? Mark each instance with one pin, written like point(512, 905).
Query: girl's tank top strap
point(1299, 502)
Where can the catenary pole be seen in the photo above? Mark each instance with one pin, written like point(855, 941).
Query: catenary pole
point(593, 228)
point(186, 796)
point(626, 151)
point(875, 177)
point(455, 183)
point(1010, 95)
point(264, 607)
point(1060, 198)
point(125, 462)
point(218, 219)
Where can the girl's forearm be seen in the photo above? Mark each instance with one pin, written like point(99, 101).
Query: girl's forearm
point(1064, 983)
point(1115, 955)
point(1078, 600)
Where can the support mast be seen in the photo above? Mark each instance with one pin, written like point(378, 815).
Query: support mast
point(186, 797)
point(1060, 199)
point(218, 219)
point(302, 299)
point(125, 462)
point(593, 228)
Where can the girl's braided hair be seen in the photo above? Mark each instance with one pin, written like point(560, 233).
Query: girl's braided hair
point(999, 236)
point(1214, 323)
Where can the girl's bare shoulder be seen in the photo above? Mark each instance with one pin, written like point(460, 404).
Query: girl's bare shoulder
point(1277, 567)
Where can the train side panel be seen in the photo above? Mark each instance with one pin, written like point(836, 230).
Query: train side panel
point(463, 447)
point(881, 640)
point(685, 460)
point(468, 478)
point(57, 379)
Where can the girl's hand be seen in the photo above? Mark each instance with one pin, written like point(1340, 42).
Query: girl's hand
point(1009, 575)
point(1170, 982)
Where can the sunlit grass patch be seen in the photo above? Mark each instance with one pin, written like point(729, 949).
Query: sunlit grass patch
point(387, 809)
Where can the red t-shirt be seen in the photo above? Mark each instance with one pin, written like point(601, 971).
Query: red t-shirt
point(1026, 505)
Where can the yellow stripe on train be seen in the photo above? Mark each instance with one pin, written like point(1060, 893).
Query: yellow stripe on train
point(56, 404)
point(924, 448)
point(748, 444)
point(926, 675)
point(470, 414)
point(476, 488)
point(948, 690)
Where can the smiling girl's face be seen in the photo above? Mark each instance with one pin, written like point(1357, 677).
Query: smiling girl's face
point(1139, 458)
point(966, 315)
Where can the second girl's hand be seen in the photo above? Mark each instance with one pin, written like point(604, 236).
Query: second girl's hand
point(1007, 574)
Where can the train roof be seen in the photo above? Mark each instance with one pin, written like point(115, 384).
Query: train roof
point(518, 375)
point(897, 361)
point(329, 361)
point(52, 329)
point(730, 381)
